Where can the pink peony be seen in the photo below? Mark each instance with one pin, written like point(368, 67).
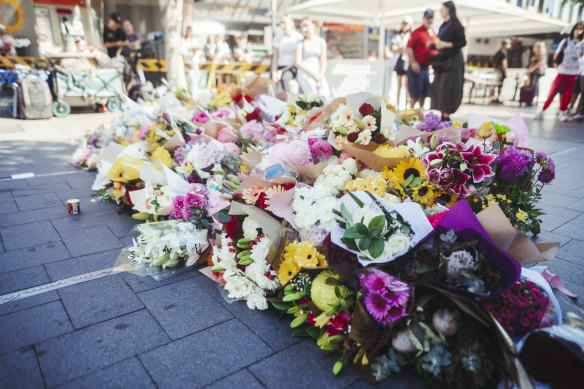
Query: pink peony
point(252, 128)
point(225, 135)
point(296, 152)
point(201, 118)
point(319, 149)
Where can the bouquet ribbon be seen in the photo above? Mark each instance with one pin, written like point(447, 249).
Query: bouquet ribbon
point(555, 282)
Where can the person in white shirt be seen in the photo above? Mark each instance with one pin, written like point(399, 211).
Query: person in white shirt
point(311, 61)
point(284, 54)
point(191, 52)
point(572, 49)
point(399, 43)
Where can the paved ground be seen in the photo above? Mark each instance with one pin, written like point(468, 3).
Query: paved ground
point(127, 331)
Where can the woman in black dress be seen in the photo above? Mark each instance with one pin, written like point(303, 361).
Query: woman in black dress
point(448, 67)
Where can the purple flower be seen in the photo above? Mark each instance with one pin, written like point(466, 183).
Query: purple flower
point(377, 306)
point(478, 162)
point(182, 204)
point(386, 296)
point(432, 122)
point(179, 154)
point(548, 168)
point(319, 149)
point(514, 162)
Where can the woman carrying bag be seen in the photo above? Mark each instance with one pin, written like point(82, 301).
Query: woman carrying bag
point(448, 64)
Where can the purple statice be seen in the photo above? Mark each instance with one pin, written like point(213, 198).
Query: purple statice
point(432, 122)
point(319, 149)
point(514, 162)
point(385, 296)
point(548, 168)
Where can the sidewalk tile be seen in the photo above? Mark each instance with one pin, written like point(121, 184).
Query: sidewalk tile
point(6, 196)
point(183, 308)
point(276, 333)
point(98, 300)
point(20, 370)
point(81, 265)
point(88, 350)
point(9, 207)
point(28, 302)
point(574, 228)
point(13, 184)
point(119, 224)
point(241, 379)
point(141, 284)
point(32, 256)
point(27, 235)
point(396, 381)
point(572, 251)
point(33, 325)
point(122, 375)
point(43, 200)
point(546, 236)
point(282, 369)
point(90, 240)
point(37, 190)
point(23, 279)
point(188, 362)
point(34, 216)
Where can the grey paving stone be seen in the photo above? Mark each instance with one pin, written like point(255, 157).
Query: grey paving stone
point(141, 284)
point(556, 216)
point(277, 334)
point(81, 265)
point(571, 276)
point(2, 249)
point(29, 302)
point(572, 251)
point(6, 196)
point(120, 224)
point(22, 279)
point(37, 190)
point(282, 369)
point(13, 184)
point(24, 328)
point(559, 199)
point(241, 379)
point(27, 235)
point(401, 381)
point(40, 181)
point(32, 256)
point(13, 219)
point(8, 207)
point(183, 308)
point(43, 200)
point(123, 375)
point(90, 240)
point(211, 287)
point(20, 370)
point(578, 205)
point(230, 343)
point(546, 236)
point(73, 355)
point(574, 228)
point(98, 300)
point(82, 180)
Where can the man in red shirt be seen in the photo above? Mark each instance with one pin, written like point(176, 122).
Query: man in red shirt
point(419, 55)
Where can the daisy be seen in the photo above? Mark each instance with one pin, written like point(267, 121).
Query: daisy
point(370, 123)
point(365, 137)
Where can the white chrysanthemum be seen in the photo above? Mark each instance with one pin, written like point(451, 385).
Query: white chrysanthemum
point(368, 173)
point(260, 250)
point(257, 301)
point(250, 227)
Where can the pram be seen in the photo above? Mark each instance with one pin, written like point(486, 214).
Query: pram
point(28, 90)
point(78, 83)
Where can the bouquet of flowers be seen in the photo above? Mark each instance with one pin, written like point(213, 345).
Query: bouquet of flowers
point(168, 243)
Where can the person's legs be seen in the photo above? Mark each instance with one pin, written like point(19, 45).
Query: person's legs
point(559, 81)
point(399, 85)
point(567, 96)
point(405, 78)
point(415, 86)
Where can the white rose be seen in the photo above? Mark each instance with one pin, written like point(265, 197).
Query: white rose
point(256, 301)
point(391, 198)
point(364, 215)
point(388, 132)
point(396, 243)
point(510, 137)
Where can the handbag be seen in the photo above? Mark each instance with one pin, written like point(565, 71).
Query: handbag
point(560, 57)
point(401, 66)
point(441, 63)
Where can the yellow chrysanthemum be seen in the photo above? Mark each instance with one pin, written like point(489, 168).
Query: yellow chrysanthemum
point(390, 151)
point(457, 123)
point(221, 100)
point(287, 271)
point(404, 169)
point(423, 194)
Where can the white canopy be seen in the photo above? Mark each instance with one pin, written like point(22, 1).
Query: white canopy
point(481, 18)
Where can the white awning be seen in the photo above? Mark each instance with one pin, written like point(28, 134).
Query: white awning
point(481, 18)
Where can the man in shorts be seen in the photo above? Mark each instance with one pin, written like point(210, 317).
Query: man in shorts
point(501, 63)
point(419, 56)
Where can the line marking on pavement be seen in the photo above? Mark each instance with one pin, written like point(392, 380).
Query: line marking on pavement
point(21, 294)
point(63, 173)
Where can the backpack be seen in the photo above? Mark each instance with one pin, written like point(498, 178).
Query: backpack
point(34, 98)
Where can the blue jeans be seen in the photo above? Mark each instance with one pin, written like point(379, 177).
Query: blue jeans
point(419, 83)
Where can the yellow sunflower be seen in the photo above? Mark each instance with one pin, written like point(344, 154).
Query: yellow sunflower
point(287, 271)
point(404, 169)
point(445, 198)
point(423, 194)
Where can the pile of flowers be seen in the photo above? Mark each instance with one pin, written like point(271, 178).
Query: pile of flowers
point(365, 235)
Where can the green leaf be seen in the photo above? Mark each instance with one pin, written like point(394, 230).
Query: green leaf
point(300, 332)
point(376, 247)
point(332, 281)
point(365, 243)
point(345, 214)
point(376, 225)
point(409, 180)
point(351, 245)
point(356, 200)
point(418, 181)
point(280, 306)
point(362, 229)
point(313, 332)
point(352, 233)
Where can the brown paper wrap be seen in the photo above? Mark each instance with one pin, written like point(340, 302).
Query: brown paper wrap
point(326, 113)
point(255, 86)
point(309, 174)
point(175, 142)
point(373, 161)
point(408, 116)
point(516, 243)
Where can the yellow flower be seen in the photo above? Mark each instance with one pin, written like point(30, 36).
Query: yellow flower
point(221, 100)
point(522, 216)
point(485, 131)
point(445, 198)
point(407, 168)
point(287, 271)
point(125, 169)
point(304, 254)
point(389, 151)
point(322, 320)
point(188, 168)
point(119, 190)
point(423, 194)
point(457, 123)
point(162, 155)
point(379, 182)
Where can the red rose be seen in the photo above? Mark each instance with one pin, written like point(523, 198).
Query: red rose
point(233, 228)
point(366, 109)
point(255, 115)
point(379, 139)
point(352, 137)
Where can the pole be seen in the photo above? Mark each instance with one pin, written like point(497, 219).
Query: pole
point(274, 9)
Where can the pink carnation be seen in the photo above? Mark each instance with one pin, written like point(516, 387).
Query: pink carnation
point(319, 149)
point(252, 128)
point(221, 113)
point(201, 118)
point(225, 135)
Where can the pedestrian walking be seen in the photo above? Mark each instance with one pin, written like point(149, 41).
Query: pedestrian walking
point(448, 65)
point(567, 57)
point(537, 66)
point(419, 55)
point(284, 55)
point(501, 64)
point(114, 37)
point(311, 61)
point(399, 44)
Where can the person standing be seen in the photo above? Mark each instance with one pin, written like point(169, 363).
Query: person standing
point(191, 52)
point(284, 55)
point(419, 53)
point(6, 42)
point(572, 49)
point(114, 36)
point(311, 61)
point(242, 52)
point(399, 43)
point(537, 66)
point(501, 64)
point(449, 72)
point(132, 37)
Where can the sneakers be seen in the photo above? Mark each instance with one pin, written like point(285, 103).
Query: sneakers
point(563, 116)
point(538, 115)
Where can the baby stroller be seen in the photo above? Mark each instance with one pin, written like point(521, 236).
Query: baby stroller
point(31, 93)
